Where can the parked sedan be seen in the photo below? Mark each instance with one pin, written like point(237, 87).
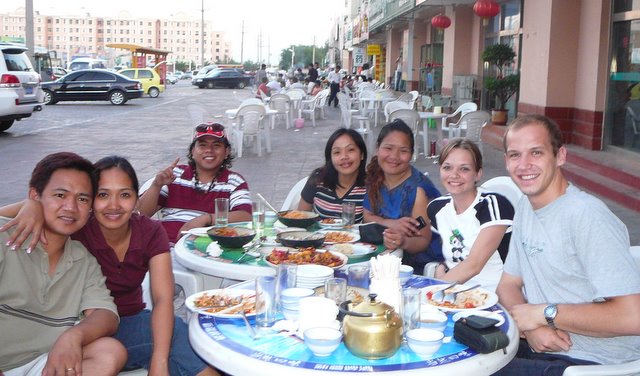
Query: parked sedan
point(92, 85)
point(224, 77)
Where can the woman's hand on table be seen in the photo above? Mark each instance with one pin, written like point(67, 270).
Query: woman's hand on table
point(405, 226)
point(392, 239)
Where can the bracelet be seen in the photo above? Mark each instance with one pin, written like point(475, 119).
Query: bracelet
point(446, 268)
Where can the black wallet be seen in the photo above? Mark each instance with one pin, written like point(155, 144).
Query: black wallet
point(480, 334)
point(371, 233)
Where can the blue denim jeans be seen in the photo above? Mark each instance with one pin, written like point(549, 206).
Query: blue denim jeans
point(135, 334)
point(529, 363)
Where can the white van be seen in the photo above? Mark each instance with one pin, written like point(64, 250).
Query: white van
point(86, 63)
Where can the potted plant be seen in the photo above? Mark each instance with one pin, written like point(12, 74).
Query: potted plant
point(501, 86)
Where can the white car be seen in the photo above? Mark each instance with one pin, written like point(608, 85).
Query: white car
point(171, 78)
point(20, 91)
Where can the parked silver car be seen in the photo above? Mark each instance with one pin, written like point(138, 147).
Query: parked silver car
point(20, 91)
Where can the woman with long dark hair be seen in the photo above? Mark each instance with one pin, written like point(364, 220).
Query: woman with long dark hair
point(341, 179)
point(397, 194)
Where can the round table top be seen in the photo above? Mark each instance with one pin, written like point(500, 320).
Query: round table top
point(190, 252)
point(226, 344)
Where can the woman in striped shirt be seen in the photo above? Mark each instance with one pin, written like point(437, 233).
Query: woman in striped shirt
point(340, 180)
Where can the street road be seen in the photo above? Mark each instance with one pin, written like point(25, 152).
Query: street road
point(151, 133)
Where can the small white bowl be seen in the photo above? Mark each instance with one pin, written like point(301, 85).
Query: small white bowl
point(433, 319)
point(294, 294)
point(424, 342)
point(322, 341)
point(406, 272)
point(290, 314)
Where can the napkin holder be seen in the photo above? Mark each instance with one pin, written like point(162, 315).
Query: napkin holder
point(480, 334)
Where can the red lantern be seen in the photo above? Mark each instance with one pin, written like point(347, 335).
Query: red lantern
point(441, 21)
point(486, 8)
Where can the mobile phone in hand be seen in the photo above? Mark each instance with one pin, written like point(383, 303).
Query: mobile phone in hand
point(421, 223)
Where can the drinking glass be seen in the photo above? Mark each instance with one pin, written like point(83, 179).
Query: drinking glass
point(336, 289)
point(266, 304)
point(258, 215)
point(348, 213)
point(358, 276)
point(410, 308)
point(286, 276)
point(222, 212)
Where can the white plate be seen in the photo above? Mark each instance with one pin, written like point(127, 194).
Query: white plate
point(488, 314)
point(490, 298)
point(354, 237)
point(337, 254)
point(231, 292)
point(330, 223)
point(354, 250)
point(314, 271)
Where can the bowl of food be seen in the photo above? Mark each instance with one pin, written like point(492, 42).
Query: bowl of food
point(424, 342)
point(298, 218)
point(330, 223)
point(304, 256)
point(322, 341)
point(231, 237)
point(432, 318)
point(301, 239)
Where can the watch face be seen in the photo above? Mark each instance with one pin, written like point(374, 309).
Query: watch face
point(550, 311)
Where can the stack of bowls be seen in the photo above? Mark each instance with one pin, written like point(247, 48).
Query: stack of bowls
point(290, 301)
point(311, 276)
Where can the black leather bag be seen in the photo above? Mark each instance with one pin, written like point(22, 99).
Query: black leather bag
point(480, 334)
point(371, 233)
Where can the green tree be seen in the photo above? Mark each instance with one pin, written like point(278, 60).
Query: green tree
point(303, 56)
point(250, 65)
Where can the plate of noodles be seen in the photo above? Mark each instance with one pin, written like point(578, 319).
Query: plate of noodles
point(475, 299)
point(223, 302)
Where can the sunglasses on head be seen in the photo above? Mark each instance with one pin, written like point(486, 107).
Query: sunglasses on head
point(213, 129)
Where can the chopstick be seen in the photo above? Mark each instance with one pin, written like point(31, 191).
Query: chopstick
point(266, 202)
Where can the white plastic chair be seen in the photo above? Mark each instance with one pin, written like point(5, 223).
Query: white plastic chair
point(308, 107)
point(249, 101)
point(414, 98)
point(296, 96)
point(412, 119)
point(505, 186)
point(250, 125)
point(293, 197)
point(395, 105)
point(282, 104)
point(347, 116)
point(463, 109)
point(475, 121)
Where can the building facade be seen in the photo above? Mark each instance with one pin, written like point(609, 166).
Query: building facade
point(86, 35)
point(578, 60)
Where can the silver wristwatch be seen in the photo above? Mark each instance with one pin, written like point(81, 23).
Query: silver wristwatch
point(550, 313)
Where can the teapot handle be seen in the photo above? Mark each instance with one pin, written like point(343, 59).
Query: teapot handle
point(344, 309)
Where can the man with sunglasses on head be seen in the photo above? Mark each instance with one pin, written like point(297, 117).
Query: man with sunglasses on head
point(185, 194)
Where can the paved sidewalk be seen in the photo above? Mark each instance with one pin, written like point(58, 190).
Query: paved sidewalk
point(296, 152)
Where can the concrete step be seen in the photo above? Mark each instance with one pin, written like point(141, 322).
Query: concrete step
point(611, 174)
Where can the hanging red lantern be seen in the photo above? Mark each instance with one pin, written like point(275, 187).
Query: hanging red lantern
point(441, 21)
point(486, 9)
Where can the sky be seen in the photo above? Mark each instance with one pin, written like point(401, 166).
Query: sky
point(282, 23)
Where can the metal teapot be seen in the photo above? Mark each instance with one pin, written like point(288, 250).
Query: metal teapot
point(372, 330)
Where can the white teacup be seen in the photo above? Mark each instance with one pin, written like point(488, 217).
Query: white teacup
point(317, 311)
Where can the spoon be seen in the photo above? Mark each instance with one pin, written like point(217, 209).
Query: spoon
point(252, 332)
point(438, 296)
point(451, 297)
point(266, 202)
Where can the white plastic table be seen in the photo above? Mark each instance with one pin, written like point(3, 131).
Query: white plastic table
point(226, 344)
